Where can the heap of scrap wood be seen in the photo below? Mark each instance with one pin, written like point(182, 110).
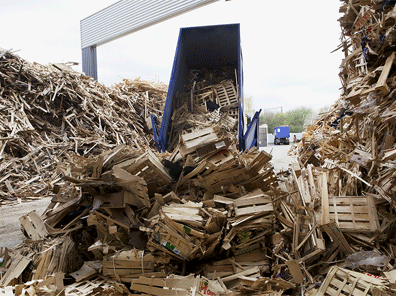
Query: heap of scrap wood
point(49, 110)
point(342, 186)
point(210, 98)
point(136, 217)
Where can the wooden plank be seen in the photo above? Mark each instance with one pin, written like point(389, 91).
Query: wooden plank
point(18, 265)
point(295, 271)
point(83, 273)
point(335, 233)
point(268, 208)
point(325, 219)
point(381, 83)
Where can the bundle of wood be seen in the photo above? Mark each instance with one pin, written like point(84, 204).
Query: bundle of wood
point(49, 110)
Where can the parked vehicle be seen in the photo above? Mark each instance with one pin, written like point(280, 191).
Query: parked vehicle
point(282, 135)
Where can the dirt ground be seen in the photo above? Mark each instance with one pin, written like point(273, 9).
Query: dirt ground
point(10, 227)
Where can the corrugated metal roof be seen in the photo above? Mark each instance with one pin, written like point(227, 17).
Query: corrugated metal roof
point(128, 16)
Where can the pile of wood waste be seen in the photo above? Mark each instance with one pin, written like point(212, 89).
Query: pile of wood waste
point(48, 111)
point(344, 177)
point(153, 223)
point(204, 219)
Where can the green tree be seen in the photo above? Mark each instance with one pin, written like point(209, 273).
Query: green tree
point(294, 118)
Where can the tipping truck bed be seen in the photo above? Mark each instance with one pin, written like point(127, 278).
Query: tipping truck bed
point(215, 48)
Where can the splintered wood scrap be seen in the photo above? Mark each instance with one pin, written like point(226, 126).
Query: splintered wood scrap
point(63, 110)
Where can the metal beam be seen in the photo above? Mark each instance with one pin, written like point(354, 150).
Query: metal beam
point(127, 16)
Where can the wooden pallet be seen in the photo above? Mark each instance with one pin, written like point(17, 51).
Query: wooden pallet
point(226, 93)
point(233, 112)
point(341, 281)
point(354, 213)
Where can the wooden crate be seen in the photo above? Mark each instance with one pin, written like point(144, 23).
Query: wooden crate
point(148, 167)
point(253, 203)
point(95, 287)
point(354, 213)
point(168, 240)
point(214, 181)
point(341, 281)
point(129, 265)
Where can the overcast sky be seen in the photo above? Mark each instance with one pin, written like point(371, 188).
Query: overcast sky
point(286, 44)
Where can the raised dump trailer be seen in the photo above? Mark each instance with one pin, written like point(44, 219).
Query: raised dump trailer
point(200, 49)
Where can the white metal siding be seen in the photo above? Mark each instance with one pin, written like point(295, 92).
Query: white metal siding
point(128, 16)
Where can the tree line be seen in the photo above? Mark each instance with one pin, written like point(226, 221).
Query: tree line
point(296, 119)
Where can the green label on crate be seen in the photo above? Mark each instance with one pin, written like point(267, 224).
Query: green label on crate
point(187, 229)
point(169, 246)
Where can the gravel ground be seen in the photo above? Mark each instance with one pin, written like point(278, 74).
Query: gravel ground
point(10, 227)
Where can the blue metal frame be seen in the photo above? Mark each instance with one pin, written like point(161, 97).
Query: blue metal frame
point(168, 109)
point(252, 133)
point(241, 111)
